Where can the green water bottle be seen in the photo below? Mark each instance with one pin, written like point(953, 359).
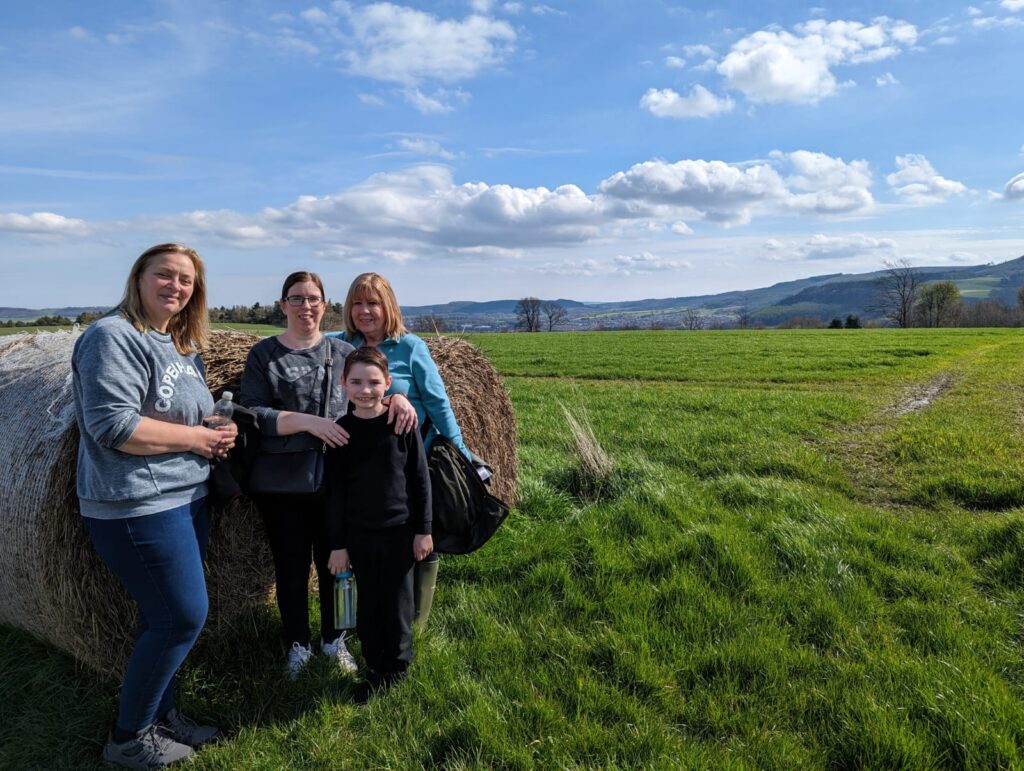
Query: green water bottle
point(344, 600)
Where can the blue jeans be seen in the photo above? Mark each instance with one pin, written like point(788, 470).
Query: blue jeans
point(158, 558)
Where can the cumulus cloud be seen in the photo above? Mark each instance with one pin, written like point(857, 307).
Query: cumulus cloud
point(917, 182)
point(407, 46)
point(699, 103)
point(888, 79)
point(720, 192)
point(823, 247)
point(779, 66)
point(1012, 191)
point(645, 262)
point(1013, 5)
point(42, 224)
point(675, 62)
point(422, 210)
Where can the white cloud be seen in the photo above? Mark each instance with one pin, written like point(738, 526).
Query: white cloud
point(371, 100)
point(1013, 5)
point(728, 194)
point(917, 182)
point(824, 185)
point(424, 147)
point(512, 8)
point(1012, 191)
point(824, 247)
point(80, 33)
point(700, 103)
point(995, 22)
point(973, 10)
point(645, 262)
point(422, 210)
point(547, 10)
point(43, 224)
point(481, 6)
point(317, 17)
point(698, 50)
point(675, 62)
point(572, 268)
point(888, 79)
point(407, 46)
point(796, 67)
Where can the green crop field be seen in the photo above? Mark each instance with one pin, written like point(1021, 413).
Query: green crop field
point(809, 554)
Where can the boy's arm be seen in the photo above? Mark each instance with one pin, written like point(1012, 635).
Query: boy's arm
point(417, 479)
point(337, 530)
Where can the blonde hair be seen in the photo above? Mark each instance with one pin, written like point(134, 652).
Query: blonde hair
point(189, 328)
point(367, 285)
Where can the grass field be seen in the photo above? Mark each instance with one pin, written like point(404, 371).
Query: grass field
point(810, 555)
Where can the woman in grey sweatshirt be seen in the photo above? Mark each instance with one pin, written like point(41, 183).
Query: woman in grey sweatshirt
point(143, 463)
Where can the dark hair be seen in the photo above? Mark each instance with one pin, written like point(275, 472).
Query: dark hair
point(369, 355)
point(298, 277)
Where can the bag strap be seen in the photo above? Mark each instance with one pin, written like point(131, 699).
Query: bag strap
point(328, 366)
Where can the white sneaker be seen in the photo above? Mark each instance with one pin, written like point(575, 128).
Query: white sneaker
point(340, 653)
point(298, 657)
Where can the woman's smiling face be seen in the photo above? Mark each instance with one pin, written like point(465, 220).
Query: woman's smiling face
point(165, 287)
point(368, 317)
point(305, 318)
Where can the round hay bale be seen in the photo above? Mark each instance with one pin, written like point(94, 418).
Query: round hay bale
point(52, 583)
point(482, 408)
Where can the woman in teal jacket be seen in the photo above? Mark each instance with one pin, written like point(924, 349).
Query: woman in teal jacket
point(373, 317)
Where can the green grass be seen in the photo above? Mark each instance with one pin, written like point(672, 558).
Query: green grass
point(783, 574)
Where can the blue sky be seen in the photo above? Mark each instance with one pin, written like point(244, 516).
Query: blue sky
point(481, 150)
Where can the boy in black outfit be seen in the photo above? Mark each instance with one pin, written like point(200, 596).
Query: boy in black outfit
point(378, 518)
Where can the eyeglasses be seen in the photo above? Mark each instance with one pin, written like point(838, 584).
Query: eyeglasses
point(298, 300)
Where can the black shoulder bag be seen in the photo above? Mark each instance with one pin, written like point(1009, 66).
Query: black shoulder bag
point(292, 465)
point(465, 513)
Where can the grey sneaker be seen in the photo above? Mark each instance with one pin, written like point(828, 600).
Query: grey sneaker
point(298, 656)
point(149, 749)
point(340, 653)
point(185, 730)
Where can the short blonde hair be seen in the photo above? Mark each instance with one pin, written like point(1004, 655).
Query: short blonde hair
point(367, 285)
point(189, 328)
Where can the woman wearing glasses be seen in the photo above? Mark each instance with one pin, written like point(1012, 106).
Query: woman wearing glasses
point(284, 383)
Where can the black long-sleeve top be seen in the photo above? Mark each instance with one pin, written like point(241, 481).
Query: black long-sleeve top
point(378, 480)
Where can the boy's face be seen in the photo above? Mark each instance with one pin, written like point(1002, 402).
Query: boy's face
point(366, 385)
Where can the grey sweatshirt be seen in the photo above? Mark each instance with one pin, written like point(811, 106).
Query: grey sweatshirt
point(278, 378)
point(120, 376)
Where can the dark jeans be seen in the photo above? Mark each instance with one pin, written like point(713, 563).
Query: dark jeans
point(297, 529)
point(383, 564)
point(158, 558)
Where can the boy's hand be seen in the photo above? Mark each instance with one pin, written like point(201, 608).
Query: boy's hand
point(338, 561)
point(422, 545)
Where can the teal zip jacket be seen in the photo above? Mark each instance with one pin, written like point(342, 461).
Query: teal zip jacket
point(414, 373)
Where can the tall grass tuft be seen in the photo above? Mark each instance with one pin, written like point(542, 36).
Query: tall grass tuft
point(592, 477)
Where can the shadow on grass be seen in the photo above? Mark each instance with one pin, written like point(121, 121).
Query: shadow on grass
point(55, 713)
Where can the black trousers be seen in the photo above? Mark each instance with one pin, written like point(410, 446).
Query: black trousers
point(297, 529)
point(383, 565)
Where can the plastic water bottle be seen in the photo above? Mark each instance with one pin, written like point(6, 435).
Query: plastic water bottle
point(344, 600)
point(222, 410)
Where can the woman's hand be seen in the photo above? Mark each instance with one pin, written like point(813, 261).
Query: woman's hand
point(228, 432)
point(324, 429)
point(208, 442)
point(401, 413)
point(338, 561)
point(422, 545)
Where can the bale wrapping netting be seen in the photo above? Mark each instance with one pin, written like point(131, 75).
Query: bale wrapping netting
point(52, 583)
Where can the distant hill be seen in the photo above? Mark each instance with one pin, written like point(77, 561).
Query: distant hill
point(31, 314)
point(822, 297)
